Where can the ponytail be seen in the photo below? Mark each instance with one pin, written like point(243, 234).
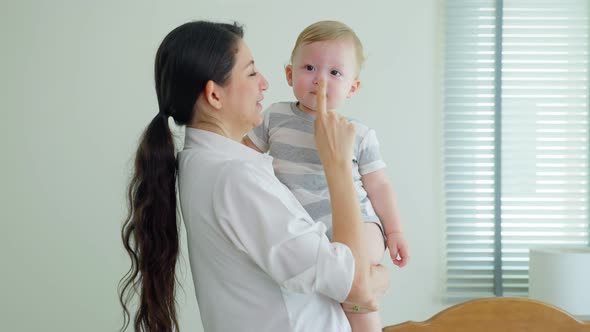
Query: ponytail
point(189, 56)
point(150, 232)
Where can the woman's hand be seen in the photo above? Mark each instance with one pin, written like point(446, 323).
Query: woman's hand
point(334, 135)
point(379, 281)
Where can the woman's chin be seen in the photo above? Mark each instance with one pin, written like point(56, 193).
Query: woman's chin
point(258, 122)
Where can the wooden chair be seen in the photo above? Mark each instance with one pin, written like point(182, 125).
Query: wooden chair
point(501, 314)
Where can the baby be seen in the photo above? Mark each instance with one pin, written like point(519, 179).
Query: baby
point(331, 51)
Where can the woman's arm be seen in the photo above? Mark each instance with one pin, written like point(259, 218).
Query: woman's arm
point(347, 227)
point(334, 138)
point(379, 281)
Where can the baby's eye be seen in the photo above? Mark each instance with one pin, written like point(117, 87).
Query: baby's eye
point(336, 73)
point(309, 67)
point(254, 73)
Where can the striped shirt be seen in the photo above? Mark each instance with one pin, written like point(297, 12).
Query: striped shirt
point(287, 135)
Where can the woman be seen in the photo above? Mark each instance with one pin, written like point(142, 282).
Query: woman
point(259, 262)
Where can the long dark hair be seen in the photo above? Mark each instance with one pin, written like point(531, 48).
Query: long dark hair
point(189, 57)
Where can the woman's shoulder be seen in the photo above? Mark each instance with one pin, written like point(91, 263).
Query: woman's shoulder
point(246, 181)
point(239, 171)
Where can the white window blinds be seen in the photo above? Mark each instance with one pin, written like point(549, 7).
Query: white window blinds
point(515, 138)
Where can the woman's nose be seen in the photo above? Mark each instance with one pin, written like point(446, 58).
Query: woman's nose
point(264, 83)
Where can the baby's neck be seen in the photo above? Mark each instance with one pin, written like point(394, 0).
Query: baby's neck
point(305, 109)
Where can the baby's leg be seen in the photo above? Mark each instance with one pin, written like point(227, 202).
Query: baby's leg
point(370, 322)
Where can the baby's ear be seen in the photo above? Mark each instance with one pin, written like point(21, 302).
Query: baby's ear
point(289, 74)
point(356, 84)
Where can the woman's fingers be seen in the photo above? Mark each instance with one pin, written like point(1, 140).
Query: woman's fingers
point(334, 135)
point(321, 98)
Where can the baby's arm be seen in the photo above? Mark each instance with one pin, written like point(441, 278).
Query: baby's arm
point(382, 198)
point(248, 142)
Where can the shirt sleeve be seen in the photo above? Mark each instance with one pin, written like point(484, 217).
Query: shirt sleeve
point(369, 159)
point(263, 219)
point(259, 135)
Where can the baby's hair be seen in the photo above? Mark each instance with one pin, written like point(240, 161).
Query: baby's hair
point(330, 30)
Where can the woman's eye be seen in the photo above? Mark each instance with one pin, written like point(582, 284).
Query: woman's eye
point(254, 73)
point(309, 68)
point(336, 73)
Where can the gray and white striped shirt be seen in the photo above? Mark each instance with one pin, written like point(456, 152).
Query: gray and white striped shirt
point(287, 135)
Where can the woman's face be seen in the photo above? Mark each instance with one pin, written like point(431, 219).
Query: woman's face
point(244, 91)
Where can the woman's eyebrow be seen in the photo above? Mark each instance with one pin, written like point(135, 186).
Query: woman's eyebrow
point(251, 63)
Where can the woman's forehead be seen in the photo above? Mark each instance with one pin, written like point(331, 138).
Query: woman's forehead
point(243, 55)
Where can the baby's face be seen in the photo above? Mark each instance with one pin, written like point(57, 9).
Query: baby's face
point(333, 61)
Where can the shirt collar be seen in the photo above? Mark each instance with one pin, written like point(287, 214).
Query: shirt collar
point(295, 109)
point(198, 138)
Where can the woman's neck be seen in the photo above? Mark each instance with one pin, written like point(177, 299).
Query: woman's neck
point(217, 129)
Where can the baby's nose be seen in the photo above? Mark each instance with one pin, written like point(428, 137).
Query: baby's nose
point(318, 77)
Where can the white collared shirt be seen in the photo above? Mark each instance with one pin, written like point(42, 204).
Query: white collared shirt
point(259, 262)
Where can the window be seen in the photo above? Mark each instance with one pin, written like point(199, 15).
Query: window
point(515, 138)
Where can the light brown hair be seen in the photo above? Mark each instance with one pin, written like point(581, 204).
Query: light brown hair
point(330, 30)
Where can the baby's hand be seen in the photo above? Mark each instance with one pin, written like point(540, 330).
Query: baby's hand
point(398, 249)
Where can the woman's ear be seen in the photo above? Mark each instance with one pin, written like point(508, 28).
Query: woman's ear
point(212, 93)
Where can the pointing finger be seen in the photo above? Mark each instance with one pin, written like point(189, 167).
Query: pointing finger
point(321, 98)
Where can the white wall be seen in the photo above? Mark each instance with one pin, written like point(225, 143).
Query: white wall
point(76, 90)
